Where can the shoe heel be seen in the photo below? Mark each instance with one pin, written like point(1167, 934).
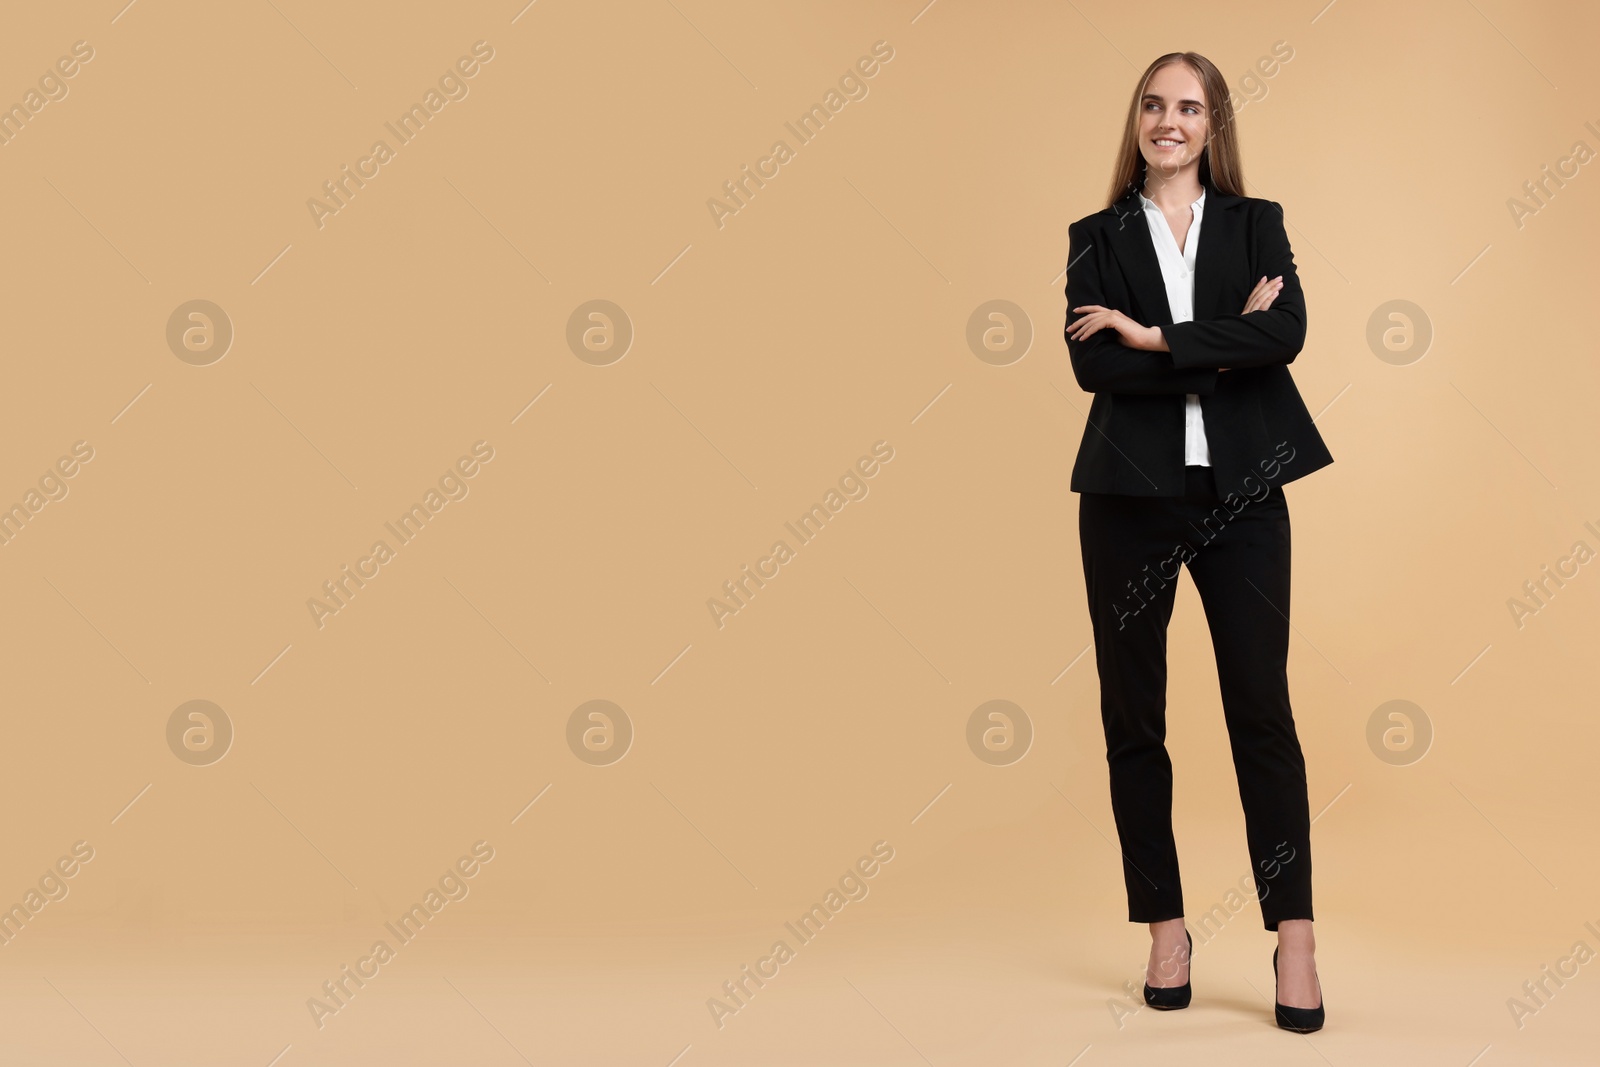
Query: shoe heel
point(1170, 998)
point(1300, 1020)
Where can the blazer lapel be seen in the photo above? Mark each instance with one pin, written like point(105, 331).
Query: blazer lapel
point(1136, 251)
point(1208, 258)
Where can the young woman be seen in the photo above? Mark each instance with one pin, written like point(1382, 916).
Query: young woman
point(1184, 337)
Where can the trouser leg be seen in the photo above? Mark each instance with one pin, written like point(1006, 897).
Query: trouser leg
point(1242, 576)
point(1126, 543)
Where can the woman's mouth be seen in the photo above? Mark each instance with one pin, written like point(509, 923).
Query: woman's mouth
point(1167, 144)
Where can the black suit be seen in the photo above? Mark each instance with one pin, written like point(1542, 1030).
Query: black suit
point(1254, 417)
point(1143, 516)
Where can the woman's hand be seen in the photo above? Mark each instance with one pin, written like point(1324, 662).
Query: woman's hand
point(1147, 338)
point(1262, 296)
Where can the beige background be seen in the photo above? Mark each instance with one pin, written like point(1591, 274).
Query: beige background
point(768, 355)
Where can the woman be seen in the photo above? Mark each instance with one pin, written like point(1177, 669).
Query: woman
point(1184, 339)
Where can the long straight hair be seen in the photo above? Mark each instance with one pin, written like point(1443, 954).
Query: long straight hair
point(1219, 160)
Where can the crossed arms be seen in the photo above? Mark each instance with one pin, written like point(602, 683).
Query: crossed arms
point(1118, 355)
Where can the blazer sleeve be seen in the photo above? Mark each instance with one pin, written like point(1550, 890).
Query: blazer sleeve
point(1102, 363)
point(1261, 338)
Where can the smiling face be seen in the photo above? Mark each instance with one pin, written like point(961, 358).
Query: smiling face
point(1172, 120)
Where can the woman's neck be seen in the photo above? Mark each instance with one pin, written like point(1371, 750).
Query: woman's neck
point(1173, 193)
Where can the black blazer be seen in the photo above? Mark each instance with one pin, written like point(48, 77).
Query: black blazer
point(1258, 430)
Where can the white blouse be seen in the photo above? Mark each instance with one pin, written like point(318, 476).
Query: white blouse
point(1177, 270)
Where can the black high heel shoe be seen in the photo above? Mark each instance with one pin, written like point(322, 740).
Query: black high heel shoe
point(1300, 1020)
point(1169, 998)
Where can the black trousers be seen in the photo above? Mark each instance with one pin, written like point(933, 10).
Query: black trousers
point(1237, 552)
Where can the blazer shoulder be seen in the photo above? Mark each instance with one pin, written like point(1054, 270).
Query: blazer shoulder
point(1096, 222)
point(1260, 206)
point(1087, 222)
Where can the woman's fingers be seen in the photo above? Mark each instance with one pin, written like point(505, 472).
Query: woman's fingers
point(1253, 301)
point(1091, 323)
point(1087, 328)
point(1262, 296)
point(1100, 318)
